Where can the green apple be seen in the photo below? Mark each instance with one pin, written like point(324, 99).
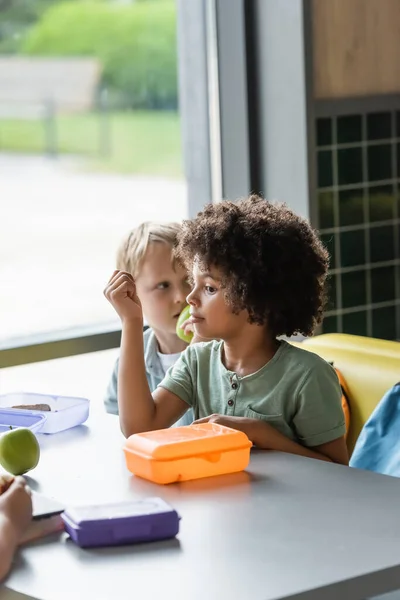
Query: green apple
point(19, 451)
point(185, 314)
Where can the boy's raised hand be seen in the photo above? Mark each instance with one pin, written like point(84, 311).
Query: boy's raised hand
point(121, 293)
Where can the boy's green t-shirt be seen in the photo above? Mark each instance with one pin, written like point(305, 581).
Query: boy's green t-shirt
point(297, 392)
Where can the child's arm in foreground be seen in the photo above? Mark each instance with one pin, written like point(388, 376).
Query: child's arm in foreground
point(15, 516)
point(263, 435)
point(318, 421)
point(138, 409)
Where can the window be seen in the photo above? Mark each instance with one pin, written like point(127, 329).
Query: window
point(89, 147)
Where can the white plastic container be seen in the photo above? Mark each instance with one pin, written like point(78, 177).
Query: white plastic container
point(66, 412)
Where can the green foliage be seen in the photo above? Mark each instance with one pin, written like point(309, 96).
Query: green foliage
point(135, 43)
point(16, 16)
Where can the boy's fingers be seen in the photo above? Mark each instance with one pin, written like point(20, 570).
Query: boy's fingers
point(112, 276)
point(126, 275)
point(117, 274)
point(187, 326)
point(120, 278)
point(110, 284)
point(116, 280)
point(125, 289)
point(203, 420)
point(122, 287)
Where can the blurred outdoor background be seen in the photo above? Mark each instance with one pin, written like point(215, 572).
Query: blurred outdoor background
point(89, 147)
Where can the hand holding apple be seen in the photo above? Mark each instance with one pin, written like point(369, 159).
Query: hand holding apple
point(184, 327)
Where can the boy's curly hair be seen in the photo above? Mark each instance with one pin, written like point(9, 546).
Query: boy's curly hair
point(273, 263)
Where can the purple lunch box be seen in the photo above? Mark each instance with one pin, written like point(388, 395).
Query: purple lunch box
point(146, 520)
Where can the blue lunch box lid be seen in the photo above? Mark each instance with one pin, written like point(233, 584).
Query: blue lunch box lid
point(14, 419)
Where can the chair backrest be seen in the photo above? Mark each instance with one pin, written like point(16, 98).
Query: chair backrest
point(370, 368)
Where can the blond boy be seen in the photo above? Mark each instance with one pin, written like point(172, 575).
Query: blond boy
point(161, 282)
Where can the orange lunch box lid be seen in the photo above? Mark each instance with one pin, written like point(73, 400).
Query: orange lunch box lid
point(191, 440)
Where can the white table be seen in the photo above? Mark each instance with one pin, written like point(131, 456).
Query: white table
point(288, 527)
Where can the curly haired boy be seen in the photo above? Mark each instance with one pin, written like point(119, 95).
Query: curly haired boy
point(258, 272)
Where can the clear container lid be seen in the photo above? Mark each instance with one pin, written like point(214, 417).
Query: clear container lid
point(13, 419)
point(59, 412)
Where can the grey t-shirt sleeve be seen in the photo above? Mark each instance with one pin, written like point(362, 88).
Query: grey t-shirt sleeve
point(179, 378)
point(319, 416)
point(111, 397)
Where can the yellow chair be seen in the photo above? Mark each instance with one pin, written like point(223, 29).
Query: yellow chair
point(369, 366)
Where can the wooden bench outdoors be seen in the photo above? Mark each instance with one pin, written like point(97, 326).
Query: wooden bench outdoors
point(30, 88)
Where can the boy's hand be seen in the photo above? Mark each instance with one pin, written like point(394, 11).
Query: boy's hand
point(16, 505)
point(121, 293)
point(188, 328)
point(248, 426)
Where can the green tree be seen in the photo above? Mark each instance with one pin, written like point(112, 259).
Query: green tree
point(135, 43)
point(16, 17)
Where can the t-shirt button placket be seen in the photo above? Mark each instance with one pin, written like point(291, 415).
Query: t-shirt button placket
point(231, 399)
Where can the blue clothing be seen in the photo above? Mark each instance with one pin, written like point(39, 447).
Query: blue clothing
point(378, 446)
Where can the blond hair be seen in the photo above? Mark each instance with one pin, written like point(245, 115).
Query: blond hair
point(133, 247)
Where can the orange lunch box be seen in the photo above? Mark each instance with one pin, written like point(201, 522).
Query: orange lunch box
point(184, 453)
